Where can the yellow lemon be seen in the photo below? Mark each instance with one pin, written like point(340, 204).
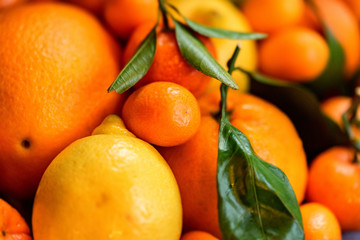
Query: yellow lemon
point(108, 186)
point(223, 14)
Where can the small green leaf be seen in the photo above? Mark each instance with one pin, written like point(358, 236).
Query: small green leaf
point(217, 32)
point(255, 199)
point(138, 65)
point(195, 53)
point(317, 131)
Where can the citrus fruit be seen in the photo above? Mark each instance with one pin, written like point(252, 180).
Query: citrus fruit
point(224, 15)
point(334, 181)
point(272, 15)
point(108, 186)
point(319, 222)
point(295, 54)
point(123, 16)
point(162, 113)
point(56, 63)
point(12, 224)
point(344, 26)
point(168, 63)
point(194, 163)
point(198, 235)
point(354, 6)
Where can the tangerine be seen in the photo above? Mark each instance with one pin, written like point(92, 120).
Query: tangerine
point(168, 63)
point(194, 163)
point(162, 113)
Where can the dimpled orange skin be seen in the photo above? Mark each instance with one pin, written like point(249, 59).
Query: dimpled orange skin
point(168, 64)
point(319, 222)
point(296, 54)
point(162, 113)
point(56, 63)
point(270, 16)
point(12, 224)
point(335, 182)
point(194, 163)
point(198, 235)
point(344, 25)
point(123, 16)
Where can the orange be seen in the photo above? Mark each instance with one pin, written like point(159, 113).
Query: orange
point(198, 235)
point(344, 25)
point(296, 54)
point(95, 6)
point(334, 181)
point(12, 224)
point(194, 163)
point(272, 15)
point(168, 64)
point(335, 107)
point(319, 222)
point(10, 3)
point(162, 113)
point(354, 5)
point(123, 16)
point(56, 63)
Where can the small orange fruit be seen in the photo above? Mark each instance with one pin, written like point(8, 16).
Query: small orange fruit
point(194, 163)
point(12, 224)
point(334, 181)
point(168, 64)
point(319, 222)
point(198, 235)
point(162, 113)
point(295, 54)
point(272, 15)
point(345, 27)
point(56, 63)
point(123, 16)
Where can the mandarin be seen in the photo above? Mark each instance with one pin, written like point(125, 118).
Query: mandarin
point(162, 113)
point(344, 26)
point(123, 16)
point(334, 181)
point(272, 15)
point(198, 235)
point(194, 163)
point(319, 222)
point(56, 63)
point(12, 224)
point(168, 63)
point(296, 54)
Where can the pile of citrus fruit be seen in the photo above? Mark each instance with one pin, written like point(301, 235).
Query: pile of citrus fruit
point(80, 161)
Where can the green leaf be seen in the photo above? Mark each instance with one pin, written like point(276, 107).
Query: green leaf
point(195, 53)
point(217, 32)
point(138, 65)
point(255, 199)
point(317, 131)
point(333, 75)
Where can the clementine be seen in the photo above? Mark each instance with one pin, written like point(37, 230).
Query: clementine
point(319, 222)
point(56, 63)
point(12, 224)
point(168, 64)
point(334, 181)
point(123, 16)
point(295, 54)
point(194, 163)
point(162, 113)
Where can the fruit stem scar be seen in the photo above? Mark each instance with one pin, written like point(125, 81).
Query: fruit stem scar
point(25, 143)
point(3, 233)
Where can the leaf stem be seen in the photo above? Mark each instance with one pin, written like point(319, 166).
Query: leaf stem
point(166, 27)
